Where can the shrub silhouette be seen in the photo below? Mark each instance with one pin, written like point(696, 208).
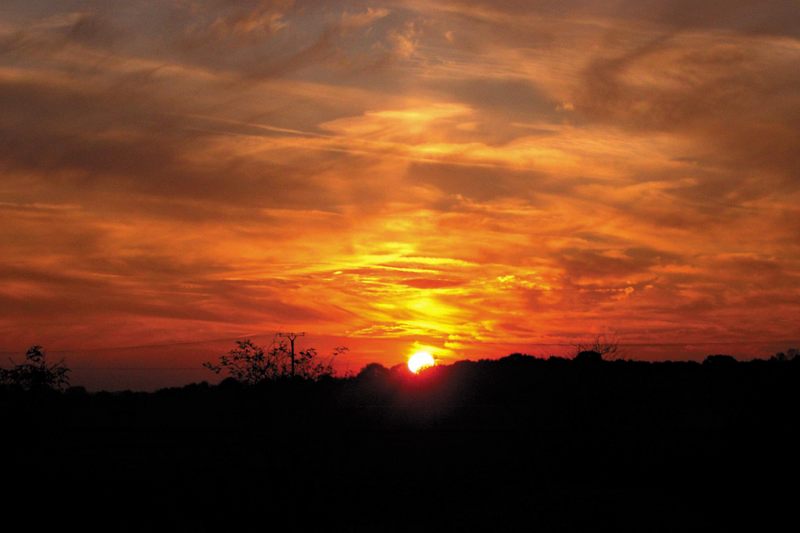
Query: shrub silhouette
point(606, 347)
point(720, 360)
point(589, 357)
point(792, 354)
point(251, 364)
point(373, 371)
point(35, 373)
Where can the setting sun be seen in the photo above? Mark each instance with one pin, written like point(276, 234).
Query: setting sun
point(420, 360)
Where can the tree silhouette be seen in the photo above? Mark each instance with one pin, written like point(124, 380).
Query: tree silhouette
point(589, 356)
point(251, 364)
point(793, 354)
point(309, 366)
point(606, 347)
point(720, 360)
point(35, 373)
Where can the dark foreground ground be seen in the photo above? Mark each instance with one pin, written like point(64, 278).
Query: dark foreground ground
point(517, 444)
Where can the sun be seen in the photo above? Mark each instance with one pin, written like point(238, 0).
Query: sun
point(420, 360)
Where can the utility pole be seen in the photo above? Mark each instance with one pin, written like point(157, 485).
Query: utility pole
point(291, 336)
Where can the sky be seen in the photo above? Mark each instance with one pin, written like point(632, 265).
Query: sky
point(474, 177)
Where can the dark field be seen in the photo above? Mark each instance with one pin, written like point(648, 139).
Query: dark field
point(511, 445)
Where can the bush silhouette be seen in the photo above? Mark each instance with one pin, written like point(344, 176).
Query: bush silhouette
point(588, 356)
point(251, 364)
point(373, 371)
point(35, 373)
point(722, 360)
point(606, 347)
point(792, 354)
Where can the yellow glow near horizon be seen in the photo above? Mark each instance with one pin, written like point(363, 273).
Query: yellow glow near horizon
point(420, 360)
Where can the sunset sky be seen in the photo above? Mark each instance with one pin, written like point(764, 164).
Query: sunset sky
point(474, 177)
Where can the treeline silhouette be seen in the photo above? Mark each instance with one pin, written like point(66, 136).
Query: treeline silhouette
point(511, 444)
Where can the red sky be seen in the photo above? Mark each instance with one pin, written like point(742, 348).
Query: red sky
point(477, 177)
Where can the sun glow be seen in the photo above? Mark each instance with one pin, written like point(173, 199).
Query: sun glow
point(420, 360)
